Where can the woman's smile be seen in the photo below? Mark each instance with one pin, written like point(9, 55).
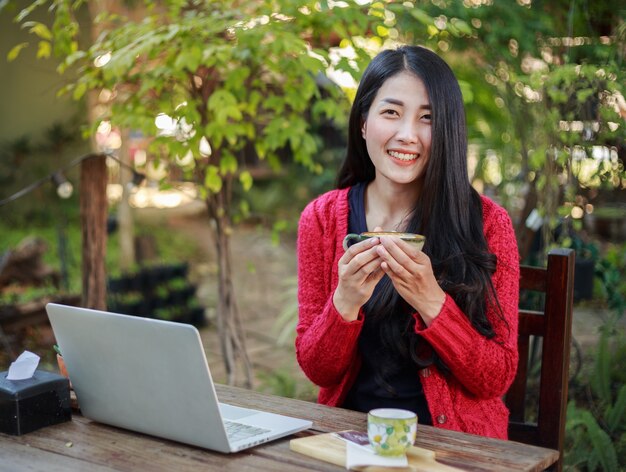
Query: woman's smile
point(404, 157)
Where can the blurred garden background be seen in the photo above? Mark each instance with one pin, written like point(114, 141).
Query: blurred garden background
point(155, 157)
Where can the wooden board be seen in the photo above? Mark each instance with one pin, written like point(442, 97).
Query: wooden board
point(329, 448)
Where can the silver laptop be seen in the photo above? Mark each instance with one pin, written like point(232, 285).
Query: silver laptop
point(152, 376)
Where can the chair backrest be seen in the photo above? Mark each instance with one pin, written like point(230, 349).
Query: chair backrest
point(554, 326)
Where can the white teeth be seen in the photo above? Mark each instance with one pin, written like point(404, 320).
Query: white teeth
point(402, 156)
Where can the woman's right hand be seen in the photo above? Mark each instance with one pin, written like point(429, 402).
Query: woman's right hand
point(359, 272)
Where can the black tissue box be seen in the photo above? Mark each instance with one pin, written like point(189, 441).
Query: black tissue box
point(30, 404)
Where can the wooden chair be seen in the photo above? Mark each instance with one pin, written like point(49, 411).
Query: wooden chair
point(554, 325)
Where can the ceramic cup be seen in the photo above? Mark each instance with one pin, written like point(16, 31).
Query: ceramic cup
point(391, 431)
point(413, 238)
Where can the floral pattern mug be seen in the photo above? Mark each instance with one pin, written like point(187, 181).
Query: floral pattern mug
point(391, 431)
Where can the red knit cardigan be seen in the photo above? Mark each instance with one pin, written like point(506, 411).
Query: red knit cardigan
point(469, 397)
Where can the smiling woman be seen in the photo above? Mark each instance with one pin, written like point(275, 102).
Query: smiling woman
point(387, 324)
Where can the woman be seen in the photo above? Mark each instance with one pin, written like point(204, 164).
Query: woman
point(384, 324)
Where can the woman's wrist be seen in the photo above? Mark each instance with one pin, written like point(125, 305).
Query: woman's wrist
point(345, 310)
point(430, 309)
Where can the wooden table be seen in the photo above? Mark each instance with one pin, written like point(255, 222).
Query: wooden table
point(82, 444)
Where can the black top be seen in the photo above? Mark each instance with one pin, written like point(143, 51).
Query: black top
point(403, 388)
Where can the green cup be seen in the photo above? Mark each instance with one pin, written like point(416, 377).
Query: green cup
point(413, 238)
point(391, 431)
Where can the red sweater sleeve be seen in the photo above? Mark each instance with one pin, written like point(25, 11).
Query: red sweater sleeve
point(485, 367)
point(326, 344)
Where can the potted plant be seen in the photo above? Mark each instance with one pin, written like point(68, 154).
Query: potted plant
point(61, 362)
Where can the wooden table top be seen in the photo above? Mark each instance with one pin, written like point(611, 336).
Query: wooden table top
point(82, 444)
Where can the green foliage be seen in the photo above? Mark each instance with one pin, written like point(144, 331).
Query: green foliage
point(229, 74)
point(28, 294)
point(28, 164)
point(285, 324)
point(587, 432)
point(239, 74)
point(172, 247)
point(279, 383)
point(596, 419)
point(282, 383)
point(544, 78)
point(596, 433)
point(277, 200)
point(52, 235)
point(611, 270)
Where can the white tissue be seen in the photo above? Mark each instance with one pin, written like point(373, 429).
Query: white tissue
point(359, 456)
point(24, 366)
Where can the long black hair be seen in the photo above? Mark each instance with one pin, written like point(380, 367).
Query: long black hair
point(448, 211)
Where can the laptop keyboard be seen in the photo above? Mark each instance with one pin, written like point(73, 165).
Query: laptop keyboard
point(238, 431)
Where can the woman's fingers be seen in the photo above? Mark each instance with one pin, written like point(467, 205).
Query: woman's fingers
point(399, 256)
point(412, 275)
point(408, 267)
point(359, 255)
point(359, 271)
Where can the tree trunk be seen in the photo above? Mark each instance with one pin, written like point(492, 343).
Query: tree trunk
point(229, 323)
point(93, 216)
point(93, 200)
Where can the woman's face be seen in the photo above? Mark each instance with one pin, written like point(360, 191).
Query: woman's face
point(397, 130)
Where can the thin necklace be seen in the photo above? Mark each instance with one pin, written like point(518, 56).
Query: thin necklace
point(400, 226)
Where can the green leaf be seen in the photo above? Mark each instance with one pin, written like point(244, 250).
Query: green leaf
point(246, 180)
point(279, 227)
point(422, 17)
point(261, 149)
point(603, 451)
point(44, 50)
point(584, 94)
point(231, 112)
point(616, 414)
point(563, 211)
point(15, 51)
point(244, 208)
point(382, 31)
point(39, 29)
point(228, 164)
point(224, 106)
point(212, 179)
point(237, 77)
point(189, 59)
point(75, 56)
point(601, 378)
point(310, 63)
point(537, 158)
point(462, 26)
point(603, 448)
point(79, 91)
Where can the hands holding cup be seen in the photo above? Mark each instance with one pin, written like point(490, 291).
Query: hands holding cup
point(409, 268)
point(391, 431)
point(360, 268)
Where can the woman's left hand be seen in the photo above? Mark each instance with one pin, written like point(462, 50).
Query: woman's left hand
point(412, 275)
